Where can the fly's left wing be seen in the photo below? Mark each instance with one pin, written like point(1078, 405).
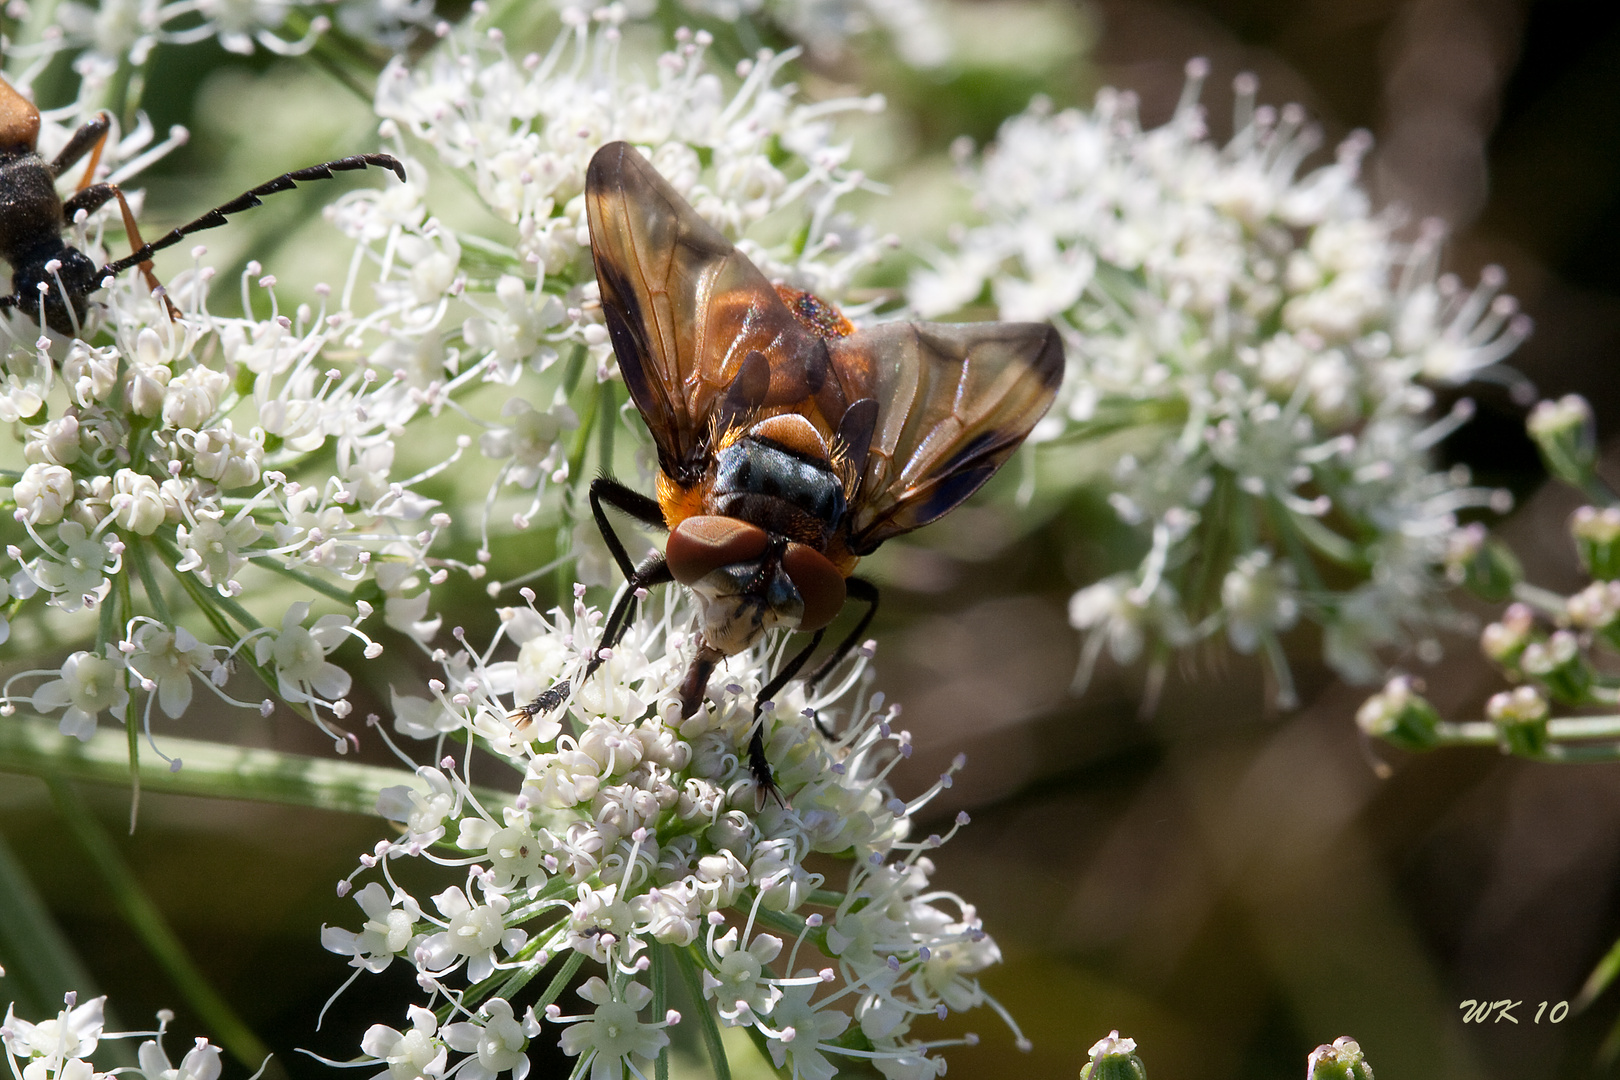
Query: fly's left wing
point(954, 400)
point(699, 332)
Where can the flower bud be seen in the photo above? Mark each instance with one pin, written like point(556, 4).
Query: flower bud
point(1343, 1060)
point(137, 502)
point(1504, 642)
point(1400, 716)
point(55, 442)
point(1558, 665)
point(1597, 540)
point(1520, 716)
point(143, 387)
point(1113, 1058)
point(43, 493)
point(1485, 565)
point(1567, 437)
point(1596, 608)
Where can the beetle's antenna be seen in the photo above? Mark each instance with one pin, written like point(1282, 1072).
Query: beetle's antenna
point(216, 217)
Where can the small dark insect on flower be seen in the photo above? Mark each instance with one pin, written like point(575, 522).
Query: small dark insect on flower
point(789, 443)
point(50, 279)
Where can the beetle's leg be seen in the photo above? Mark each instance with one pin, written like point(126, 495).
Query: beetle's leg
point(93, 197)
point(91, 138)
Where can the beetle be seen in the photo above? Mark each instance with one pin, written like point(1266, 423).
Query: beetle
point(51, 279)
point(789, 444)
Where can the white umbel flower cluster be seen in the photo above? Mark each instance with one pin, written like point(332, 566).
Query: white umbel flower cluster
point(107, 33)
point(63, 1047)
point(1250, 346)
point(640, 840)
point(525, 313)
point(164, 451)
point(157, 468)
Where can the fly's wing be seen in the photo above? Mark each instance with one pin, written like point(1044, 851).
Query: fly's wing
point(686, 311)
point(954, 401)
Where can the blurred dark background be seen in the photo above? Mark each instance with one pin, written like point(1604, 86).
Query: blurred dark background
point(1229, 885)
point(1233, 888)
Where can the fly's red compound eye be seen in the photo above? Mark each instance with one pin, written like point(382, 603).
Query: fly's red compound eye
point(820, 585)
point(702, 544)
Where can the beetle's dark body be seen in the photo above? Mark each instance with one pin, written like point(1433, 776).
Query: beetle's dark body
point(52, 280)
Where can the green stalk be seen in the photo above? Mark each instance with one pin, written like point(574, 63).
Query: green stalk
point(560, 981)
point(154, 931)
point(325, 588)
point(33, 747)
point(140, 555)
point(41, 963)
point(711, 1031)
point(660, 1003)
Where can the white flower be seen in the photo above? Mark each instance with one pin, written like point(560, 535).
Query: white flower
point(72, 1033)
point(386, 933)
point(89, 685)
point(631, 831)
point(418, 1054)
point(615, 1036)
point(299, 655)
point(803, 1030)
point(192, 397)
point(202, 1062)
point(738, 992)
point(79, 576)
point(423, 813)
point(213, 547)
point(1259, 600)
point(225, 457)
point(529, 439)
point(1255, 340)
point(136, 502)
point(497, 1043)
point(169, 658)
point(43, 493)
point(474, 932)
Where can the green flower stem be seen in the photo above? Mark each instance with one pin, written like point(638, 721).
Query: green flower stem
point(333, 59)
point(688, 967)
point(1599, 980)
point(33, 747)
point(660, 1002)
point(560, 981)
point(41, 963)
point(1563, 730)
point(148, 923)
point(308, 581)
point(1543, 600)
point(114, 610)
point(139, 554)
point(582, 438)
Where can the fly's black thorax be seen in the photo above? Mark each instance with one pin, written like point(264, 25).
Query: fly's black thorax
point(783, 492)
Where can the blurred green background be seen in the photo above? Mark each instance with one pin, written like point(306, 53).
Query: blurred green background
point(1229, 885)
